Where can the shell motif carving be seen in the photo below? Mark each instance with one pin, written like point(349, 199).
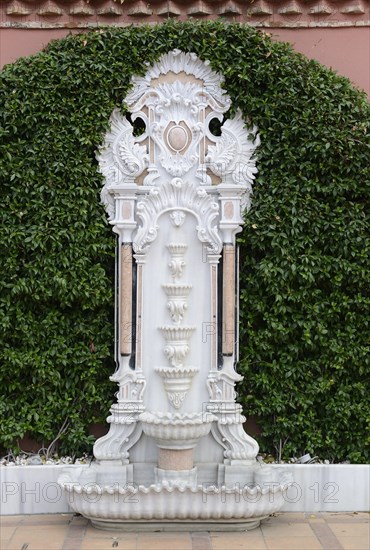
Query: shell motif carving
point(174, 196)
point(177, 62)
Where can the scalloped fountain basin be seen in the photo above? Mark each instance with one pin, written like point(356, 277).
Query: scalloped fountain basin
point(131, 505)
point(177, 248)
point(173, 373)
point(174, 290)
point(177, 333)
point(176, 431)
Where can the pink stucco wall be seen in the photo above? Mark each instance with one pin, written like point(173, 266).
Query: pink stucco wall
point(346, 50)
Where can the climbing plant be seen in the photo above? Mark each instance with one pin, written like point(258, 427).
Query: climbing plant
point(304, 249)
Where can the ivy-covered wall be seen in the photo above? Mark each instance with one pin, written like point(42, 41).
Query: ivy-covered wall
point(304, 248)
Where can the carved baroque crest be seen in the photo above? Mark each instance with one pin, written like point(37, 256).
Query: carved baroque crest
point(168, 145)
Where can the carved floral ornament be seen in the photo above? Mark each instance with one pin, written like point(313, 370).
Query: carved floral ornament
point(177, 159)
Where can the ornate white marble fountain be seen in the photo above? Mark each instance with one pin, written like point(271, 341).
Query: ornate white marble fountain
point(176, 452)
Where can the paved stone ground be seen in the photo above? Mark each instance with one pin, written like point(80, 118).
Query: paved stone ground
point(281, 532)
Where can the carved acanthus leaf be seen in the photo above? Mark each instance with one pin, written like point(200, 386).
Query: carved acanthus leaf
point(232, 157)
point(221, 154)
point(176, 266)
point(176, 354)
point(120, 158)
point(177, 310)
point(131, 156)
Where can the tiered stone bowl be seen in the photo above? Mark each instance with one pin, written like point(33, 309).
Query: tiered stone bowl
point(176, 431)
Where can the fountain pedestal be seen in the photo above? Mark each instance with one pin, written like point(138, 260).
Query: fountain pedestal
point(176, 454)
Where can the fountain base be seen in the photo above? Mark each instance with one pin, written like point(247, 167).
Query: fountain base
point(177, 526)
point(175, 505)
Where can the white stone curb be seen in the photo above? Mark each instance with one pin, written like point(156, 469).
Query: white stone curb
point(316, 488)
